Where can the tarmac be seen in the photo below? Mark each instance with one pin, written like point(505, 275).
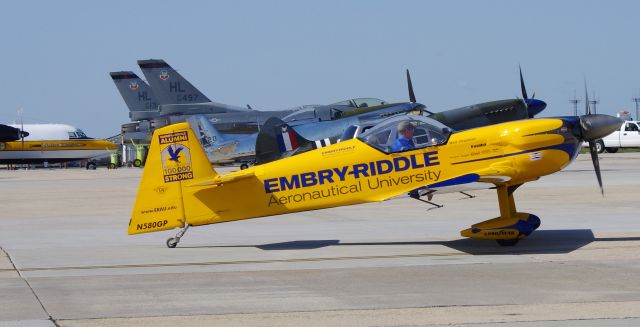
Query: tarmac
point(66, 259)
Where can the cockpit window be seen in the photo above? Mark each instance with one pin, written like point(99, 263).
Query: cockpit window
point(360, 103)
point(406, 133)
point(78, 134)
point(368, 102)
point(347, 103)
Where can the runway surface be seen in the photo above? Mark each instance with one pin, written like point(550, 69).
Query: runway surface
point(66, 258)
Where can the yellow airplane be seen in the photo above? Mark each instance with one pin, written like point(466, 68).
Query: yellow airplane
point(179, 188)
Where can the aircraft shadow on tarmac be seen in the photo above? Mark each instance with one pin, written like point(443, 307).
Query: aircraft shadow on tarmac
point(540, 242)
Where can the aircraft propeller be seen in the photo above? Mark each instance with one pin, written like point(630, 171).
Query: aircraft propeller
point(412, 96)
point(533, 105)
point(22, 133)
point(594, 127)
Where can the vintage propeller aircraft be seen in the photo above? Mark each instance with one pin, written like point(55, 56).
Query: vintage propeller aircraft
point(271, 141)
point(179, 188)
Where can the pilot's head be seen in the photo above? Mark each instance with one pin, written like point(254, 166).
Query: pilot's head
point(406, 129)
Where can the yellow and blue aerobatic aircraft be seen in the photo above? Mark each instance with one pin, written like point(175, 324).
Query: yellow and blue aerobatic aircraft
point(179, 188)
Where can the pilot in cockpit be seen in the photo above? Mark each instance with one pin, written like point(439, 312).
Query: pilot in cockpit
point(405, 137)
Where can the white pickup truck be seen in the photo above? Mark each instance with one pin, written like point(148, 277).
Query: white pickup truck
point(628, 136)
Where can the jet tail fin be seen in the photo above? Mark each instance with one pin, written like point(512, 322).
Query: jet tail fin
point(137, 94)
point(166, 198)
point(277, 139)
point(170, 87)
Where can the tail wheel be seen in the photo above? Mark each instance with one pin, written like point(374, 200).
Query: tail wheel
point(172, 242)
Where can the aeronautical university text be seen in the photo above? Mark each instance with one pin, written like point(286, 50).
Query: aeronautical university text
point(370, 169)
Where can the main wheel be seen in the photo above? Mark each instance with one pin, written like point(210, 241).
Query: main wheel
point(612, 150)
point(172, 242)
point(508, 242)
point(599, 146)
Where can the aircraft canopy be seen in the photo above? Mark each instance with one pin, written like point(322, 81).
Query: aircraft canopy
point(360, 103)
point(390, 136)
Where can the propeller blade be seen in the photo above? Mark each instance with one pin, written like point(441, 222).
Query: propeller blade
point(587, 109)
point(596, 164)
point(412, 96)
point(593, 128)
point(524, 89)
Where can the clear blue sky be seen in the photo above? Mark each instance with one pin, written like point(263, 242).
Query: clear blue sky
point(56, 55)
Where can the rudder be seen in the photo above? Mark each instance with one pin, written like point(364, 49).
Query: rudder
point(169, 86)
point(175, 160)
point(208, 135)
point(136, 93)
point(277, 139)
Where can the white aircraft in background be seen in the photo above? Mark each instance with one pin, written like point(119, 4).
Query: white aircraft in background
point(38, 143)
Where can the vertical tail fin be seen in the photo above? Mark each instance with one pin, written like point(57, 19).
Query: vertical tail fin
point(278, 140)
point(208, 135)
point(175, 160)
point(170, 87)
point(137, 94)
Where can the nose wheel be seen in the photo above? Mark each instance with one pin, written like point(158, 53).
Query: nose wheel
point(173, 241)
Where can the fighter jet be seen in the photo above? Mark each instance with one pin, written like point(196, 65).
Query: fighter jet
point(176, 96)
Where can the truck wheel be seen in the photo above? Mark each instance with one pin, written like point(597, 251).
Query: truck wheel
point(244, 166)
point(599, 146)
point(91, 165)
point(137, 162)
point(612, 150)
point(112, 166)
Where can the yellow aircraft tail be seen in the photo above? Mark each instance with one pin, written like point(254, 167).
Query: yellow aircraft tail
point(175, 160)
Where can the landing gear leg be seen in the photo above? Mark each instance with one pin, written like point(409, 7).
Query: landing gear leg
point(416, 195)
point(173, 241)
point(510, 227)
point(469, 196)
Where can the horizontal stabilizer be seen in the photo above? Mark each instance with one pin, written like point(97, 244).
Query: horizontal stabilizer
point(226, 179)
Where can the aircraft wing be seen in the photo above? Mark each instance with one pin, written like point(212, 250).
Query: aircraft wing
point(480, 179)
point(226, 179)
